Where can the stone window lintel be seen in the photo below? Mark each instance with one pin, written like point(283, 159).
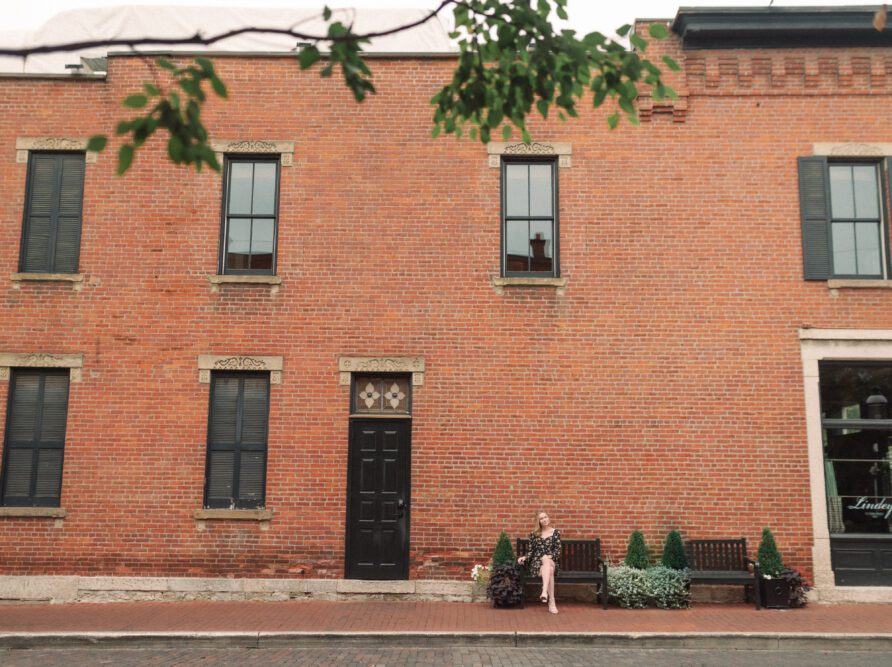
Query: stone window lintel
point(496, 149)
point(8, 360)
point(25, 144)
point(413, 365)
point(284, 149)
point(239, 362)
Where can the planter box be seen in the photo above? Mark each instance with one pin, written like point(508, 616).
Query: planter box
point(775, 593)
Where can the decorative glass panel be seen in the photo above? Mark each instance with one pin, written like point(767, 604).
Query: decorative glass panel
point(381, 395)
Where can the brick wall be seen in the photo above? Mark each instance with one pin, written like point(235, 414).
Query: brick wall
point(661, 390)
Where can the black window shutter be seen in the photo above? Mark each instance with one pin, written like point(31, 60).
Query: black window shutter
point(814, 205)
point(54, 212)
point(237, 440)
point(35, 438)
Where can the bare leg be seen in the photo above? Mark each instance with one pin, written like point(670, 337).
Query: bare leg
point(546, 572)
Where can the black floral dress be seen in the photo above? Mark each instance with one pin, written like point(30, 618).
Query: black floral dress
point(543, 546)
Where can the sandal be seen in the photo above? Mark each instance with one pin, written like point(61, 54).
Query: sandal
point(543, 599)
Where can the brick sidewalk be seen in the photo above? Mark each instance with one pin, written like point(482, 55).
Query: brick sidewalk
point(454, 617)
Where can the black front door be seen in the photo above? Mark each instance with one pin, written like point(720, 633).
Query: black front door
point(378, 499)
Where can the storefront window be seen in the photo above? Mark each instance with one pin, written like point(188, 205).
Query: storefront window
point(855, 415)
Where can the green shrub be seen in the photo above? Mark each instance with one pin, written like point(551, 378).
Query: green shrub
point(669, 588)
point(628, 586)
point(504, 553)
point(770, 562)
point(637, 554)
point(633, 588)
point(673, 552)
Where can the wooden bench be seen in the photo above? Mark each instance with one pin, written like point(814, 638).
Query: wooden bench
point(723, 562)
point(580, 563)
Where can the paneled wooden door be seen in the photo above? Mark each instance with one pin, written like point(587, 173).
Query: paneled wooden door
point(377, 540)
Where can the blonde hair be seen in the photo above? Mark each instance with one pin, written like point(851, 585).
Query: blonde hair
point(538, 529)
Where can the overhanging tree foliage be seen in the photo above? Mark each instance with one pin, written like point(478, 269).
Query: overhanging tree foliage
point(512, 60)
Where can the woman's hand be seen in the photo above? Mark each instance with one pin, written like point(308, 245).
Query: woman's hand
point(521, 559)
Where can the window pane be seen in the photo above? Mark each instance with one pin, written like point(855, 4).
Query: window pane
point(844, 248)
point(517, 197)
point(540, 189)
point(867, 243)
point(541, 245)
point(240, 177)
point(866, 197)
point(264, 188)
point(845, 389)
point(841, 198)
point(517, 245)
point(262, 244)
point(238, 245)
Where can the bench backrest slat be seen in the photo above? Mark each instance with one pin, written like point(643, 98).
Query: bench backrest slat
point(716, 555)
point(576, 555)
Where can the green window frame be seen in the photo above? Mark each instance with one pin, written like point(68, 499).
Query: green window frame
point(250, 223)
point(529, 218)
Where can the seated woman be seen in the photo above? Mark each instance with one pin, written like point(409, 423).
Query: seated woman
point(543, 557)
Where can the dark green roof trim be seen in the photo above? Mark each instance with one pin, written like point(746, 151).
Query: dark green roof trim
point(778, 27)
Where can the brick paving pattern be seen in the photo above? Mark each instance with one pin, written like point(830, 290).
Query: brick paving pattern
point(405, 657)
point(403, 616)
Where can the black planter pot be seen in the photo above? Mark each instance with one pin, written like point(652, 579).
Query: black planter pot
point(775, 593)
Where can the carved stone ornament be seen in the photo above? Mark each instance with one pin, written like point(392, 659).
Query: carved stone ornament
point(285, 149)
point(413, 365)
point(496, 149)
point(236, 362)
point(41, 360)
point(25, 144)
point(853, 149)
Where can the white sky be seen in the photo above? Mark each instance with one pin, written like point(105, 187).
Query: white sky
point(585, 15)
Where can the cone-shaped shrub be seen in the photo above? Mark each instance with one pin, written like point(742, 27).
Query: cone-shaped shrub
point(637, 555)
point(504, 553)
point(770, 561)
point(674, 556)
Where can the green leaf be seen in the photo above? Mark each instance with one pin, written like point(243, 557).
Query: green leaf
point(166, 64)
point(123, 127)
point(613, 120)
point(435, 132)
point(136, 101)
point(308, 56)
point(623, 30)
point(658, 30)
point(219, 87)
point(125, 157)
point(638, 42)
point(175, 148)
point(151, 89)
point(326, 13)
point(97, 143)
point(207, 67)
point(671, 64)
point(506, 132)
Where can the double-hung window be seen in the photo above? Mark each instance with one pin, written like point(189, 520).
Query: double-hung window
point(35, 438)
point(250, 217)
point(844, 229)
point(238, 425)
point(51, 233)
point(529, 218)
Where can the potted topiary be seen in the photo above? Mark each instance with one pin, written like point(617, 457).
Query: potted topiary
point(773, 588)
point(637, 553)
point(505, 587)
point(674, 556)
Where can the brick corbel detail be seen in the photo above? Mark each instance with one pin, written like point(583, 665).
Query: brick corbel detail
point(676, 108)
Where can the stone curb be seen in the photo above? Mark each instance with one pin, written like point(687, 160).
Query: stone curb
point(637, 640)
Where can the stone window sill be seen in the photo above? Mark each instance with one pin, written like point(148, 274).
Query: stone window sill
point(76, 279)
point(272, 281)
point(58, 514)
point(558, 284)
point(854, 283)
point(263, 517)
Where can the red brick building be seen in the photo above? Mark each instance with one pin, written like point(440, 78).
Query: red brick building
point(361, 353)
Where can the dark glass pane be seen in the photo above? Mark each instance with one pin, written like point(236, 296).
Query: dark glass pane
point(517, 197)
point(867, 245)
point(842, 203)
point(264, 188)
point(844, 262)
point(368, 394)
point(396, 395)
point(541, 190)
point(846, 387)
point(867, 204)
point(238, 244)
point(541, 245)
point(240, 187)
point(517, 245)
point(262, 243)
